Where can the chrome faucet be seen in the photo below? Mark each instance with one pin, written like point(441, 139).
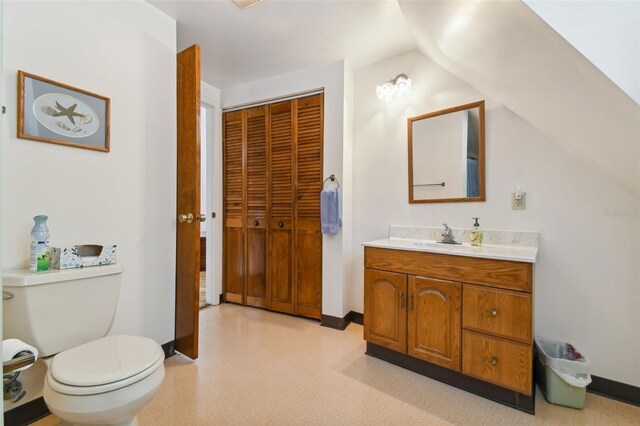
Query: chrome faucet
point(447, 235)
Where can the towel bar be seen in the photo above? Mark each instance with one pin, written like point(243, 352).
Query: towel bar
point(332, 178)
point(430, 184)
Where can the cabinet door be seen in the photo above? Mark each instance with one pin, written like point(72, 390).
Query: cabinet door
point(308, 135)
point(435, 321)
point(256, 223)
point(385, 315)
point(280, 265)
point(233, 234)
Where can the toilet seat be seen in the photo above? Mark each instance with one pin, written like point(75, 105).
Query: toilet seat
point(104, 365)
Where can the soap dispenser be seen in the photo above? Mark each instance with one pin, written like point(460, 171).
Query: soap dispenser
point(476, 235)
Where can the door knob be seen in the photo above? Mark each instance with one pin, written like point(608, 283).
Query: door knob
point(185, 218)
point(201, 217)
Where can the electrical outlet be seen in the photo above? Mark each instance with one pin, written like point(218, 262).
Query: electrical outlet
point(520, 204)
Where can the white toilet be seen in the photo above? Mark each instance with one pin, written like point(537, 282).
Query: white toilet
point(91, 379)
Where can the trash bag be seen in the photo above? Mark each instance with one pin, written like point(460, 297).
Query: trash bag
point(565, 361)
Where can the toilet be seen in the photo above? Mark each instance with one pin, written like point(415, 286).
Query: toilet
point(91, 379)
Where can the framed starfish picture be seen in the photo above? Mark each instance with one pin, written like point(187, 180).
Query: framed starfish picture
point(57, 113)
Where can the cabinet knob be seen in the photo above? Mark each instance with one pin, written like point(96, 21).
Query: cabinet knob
point(494, 361)
point(256, 223)
point(281, 224)
point(494, 313)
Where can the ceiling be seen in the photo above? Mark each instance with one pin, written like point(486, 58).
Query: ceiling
point(607, 33)
point(276, 36)
point(504, 50)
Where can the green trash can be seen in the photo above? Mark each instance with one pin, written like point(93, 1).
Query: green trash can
point(562, 380)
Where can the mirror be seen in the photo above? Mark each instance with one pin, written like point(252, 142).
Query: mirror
point(446, 155)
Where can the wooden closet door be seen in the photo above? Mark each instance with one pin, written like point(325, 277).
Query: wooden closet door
point(257, 179)
point(308, 131)
point(233, 250)
point(281, 224)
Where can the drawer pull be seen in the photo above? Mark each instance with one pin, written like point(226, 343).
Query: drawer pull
point(494, 361)
point(494, 313)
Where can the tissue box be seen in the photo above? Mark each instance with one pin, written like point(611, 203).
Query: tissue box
point(82, 256)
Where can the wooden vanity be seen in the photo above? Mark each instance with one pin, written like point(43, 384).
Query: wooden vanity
point(464, 320)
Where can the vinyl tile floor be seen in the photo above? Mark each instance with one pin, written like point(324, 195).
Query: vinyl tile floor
point(262, 368)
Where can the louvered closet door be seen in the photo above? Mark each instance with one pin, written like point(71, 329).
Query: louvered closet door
point(281, 208)
point(257, 198)
point(233, 256)
point(308, 145)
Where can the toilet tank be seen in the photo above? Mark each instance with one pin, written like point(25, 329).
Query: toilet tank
point(58, 309)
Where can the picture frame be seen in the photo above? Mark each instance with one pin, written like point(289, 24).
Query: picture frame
point(57, 113)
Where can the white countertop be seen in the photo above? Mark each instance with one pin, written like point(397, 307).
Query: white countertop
point(502, 252)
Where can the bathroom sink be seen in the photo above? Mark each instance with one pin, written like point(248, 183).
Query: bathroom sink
point(434, 244)
point(425, 243)
point(456, 243)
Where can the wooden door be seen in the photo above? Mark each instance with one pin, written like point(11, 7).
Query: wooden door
point(281, 223)
point(234, 209)
point(188, 202)
point(385, 313)
point(257, 179)
point(308, 136)
point(434, 321)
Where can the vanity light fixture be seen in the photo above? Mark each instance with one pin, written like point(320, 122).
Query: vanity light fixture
point(394, 88)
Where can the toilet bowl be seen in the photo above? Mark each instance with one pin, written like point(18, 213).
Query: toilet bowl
point(104, 382)
point(65, 314)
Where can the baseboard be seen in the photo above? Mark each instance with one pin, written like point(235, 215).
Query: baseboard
point(334, 322)
point(169, 349)
point(615, 390)
point(27, 413)
point(356, 317)
point(342, 323)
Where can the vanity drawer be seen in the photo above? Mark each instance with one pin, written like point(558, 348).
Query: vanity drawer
point(501, 362)
point(496, 273)
point(500, 312)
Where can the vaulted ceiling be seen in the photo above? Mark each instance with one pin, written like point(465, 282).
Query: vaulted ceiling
point(502, 48)
point(276, 37)
point(506, 51)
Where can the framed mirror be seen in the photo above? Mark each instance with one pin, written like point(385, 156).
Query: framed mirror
point(446, 155)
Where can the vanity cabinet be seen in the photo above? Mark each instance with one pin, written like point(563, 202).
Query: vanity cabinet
point(463, 320)
point(433, 332)
point(385, 309)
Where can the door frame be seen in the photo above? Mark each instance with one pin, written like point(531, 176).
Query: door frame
point(213, 144)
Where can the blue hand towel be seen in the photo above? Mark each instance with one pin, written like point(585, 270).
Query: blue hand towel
point(330, 211)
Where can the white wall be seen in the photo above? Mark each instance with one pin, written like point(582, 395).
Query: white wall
point(126, 51)
point(331, 78)
point(587, 276)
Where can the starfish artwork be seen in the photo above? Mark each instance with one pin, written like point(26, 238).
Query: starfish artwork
point(67, 112)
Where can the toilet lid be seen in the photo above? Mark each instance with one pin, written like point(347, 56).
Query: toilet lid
point(107, 360)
